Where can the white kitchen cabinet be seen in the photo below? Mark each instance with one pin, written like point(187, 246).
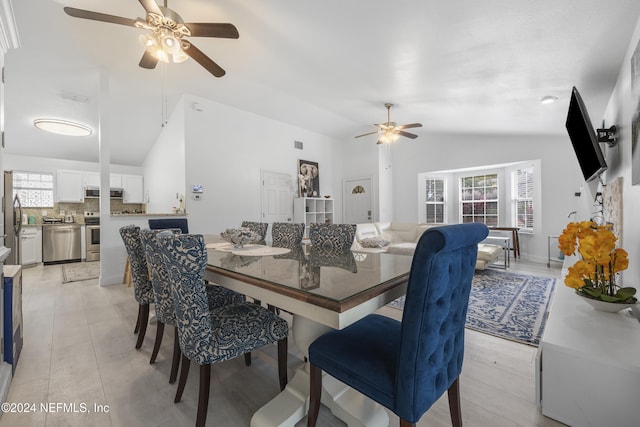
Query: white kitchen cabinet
point(133, 186)
point(92, 179)
point(311, 210)
point(70, 186)
point(115, 180)
point(30, 245)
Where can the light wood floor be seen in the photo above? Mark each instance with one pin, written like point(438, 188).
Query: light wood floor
point(79, 349)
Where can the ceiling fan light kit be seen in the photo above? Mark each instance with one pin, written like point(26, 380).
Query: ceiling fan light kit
point(63, 127)
point(165, 48)
point(165, 37)
point(391, 131)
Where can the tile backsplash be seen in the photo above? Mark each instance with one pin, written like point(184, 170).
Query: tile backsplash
point(77, 209)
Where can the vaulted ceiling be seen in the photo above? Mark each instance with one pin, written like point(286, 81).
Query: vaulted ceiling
point(462, 66)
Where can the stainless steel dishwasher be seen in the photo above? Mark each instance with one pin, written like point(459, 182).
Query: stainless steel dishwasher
point(61, 243)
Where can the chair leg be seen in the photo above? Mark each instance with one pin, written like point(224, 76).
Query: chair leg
point(273, 309)
point(144, 320)
point(203, 395)
point(137, 328)
point(454, 403)
point(247, 359)
point(184, 373)
point(175, 362)
point(156, 346)
point(315, 388)
point(283, 353)
point(405, 423)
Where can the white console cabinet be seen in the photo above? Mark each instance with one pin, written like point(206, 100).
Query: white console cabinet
point(589, 363)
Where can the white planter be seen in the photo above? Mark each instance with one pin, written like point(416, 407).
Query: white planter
point(609, 307)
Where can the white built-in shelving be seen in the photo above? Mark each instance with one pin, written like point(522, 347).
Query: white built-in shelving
point(310, 210)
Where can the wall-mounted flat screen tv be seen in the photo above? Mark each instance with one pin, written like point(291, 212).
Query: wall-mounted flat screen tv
point(584, 140)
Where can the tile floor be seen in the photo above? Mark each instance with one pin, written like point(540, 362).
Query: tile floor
point(79, 350)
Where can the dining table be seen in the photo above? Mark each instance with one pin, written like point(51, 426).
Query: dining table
point(323, 290)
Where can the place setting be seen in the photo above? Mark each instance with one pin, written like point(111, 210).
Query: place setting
point(241, 241)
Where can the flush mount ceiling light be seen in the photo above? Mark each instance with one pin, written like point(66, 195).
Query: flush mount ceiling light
point(549, 99)
point(63, 127)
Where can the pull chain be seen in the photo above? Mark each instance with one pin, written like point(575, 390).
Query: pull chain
point(163, 95)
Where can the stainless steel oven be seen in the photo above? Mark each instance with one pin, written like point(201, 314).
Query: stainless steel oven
point(92, 231)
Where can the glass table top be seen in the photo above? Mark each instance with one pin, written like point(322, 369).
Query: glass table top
point(335, 276)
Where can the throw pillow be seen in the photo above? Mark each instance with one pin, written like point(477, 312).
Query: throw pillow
point(373, 242)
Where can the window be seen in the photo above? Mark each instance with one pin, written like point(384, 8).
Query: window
point(34, 189)
point(434, 201)
point(479, 199)
point(522, 197)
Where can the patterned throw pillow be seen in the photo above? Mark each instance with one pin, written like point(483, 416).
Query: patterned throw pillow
point(373, 242)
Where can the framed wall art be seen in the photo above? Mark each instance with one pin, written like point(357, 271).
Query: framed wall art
point(308, 179)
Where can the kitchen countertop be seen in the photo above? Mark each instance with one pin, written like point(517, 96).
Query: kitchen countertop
point(148, 214)
point(40, 224)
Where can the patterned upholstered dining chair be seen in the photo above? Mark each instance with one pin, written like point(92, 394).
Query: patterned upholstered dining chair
point(286, 233)
point(332, 236)
point(259, 228)
point(210, 336)
point(142, 287)
point(165, 310)
point(406, 366)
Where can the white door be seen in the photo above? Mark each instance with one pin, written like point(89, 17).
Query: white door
point(358, 201)
point(276, 197)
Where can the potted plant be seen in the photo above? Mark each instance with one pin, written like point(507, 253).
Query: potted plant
point(594, 276)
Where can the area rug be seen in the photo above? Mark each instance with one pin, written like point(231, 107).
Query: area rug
point(507, 305)
point(79, 271)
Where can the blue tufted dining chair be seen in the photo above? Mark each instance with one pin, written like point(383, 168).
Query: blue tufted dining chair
point(210, 336)
point(165, 311)
point(259, 228)
point(142, 287)
point(287, 233)
point(406, 366)
point(332, 236)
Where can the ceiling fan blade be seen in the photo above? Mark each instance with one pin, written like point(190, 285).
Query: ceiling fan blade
point(97, 16)
point(151, 7)
point(365, 134)
point(412, 125)
point(226, 31)
point(148, 61)
point(202, 59)
point(407, 134)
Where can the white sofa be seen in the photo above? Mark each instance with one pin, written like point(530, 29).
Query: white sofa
point(402, 237)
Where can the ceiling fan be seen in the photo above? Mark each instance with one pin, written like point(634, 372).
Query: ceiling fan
point(165, 39)
point(391, 131)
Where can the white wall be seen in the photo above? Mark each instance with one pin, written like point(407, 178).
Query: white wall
point(620, 111)
point(164, 166)
point(360, 159)
point(46, 164)
point(227, 148)
point(561, 176)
